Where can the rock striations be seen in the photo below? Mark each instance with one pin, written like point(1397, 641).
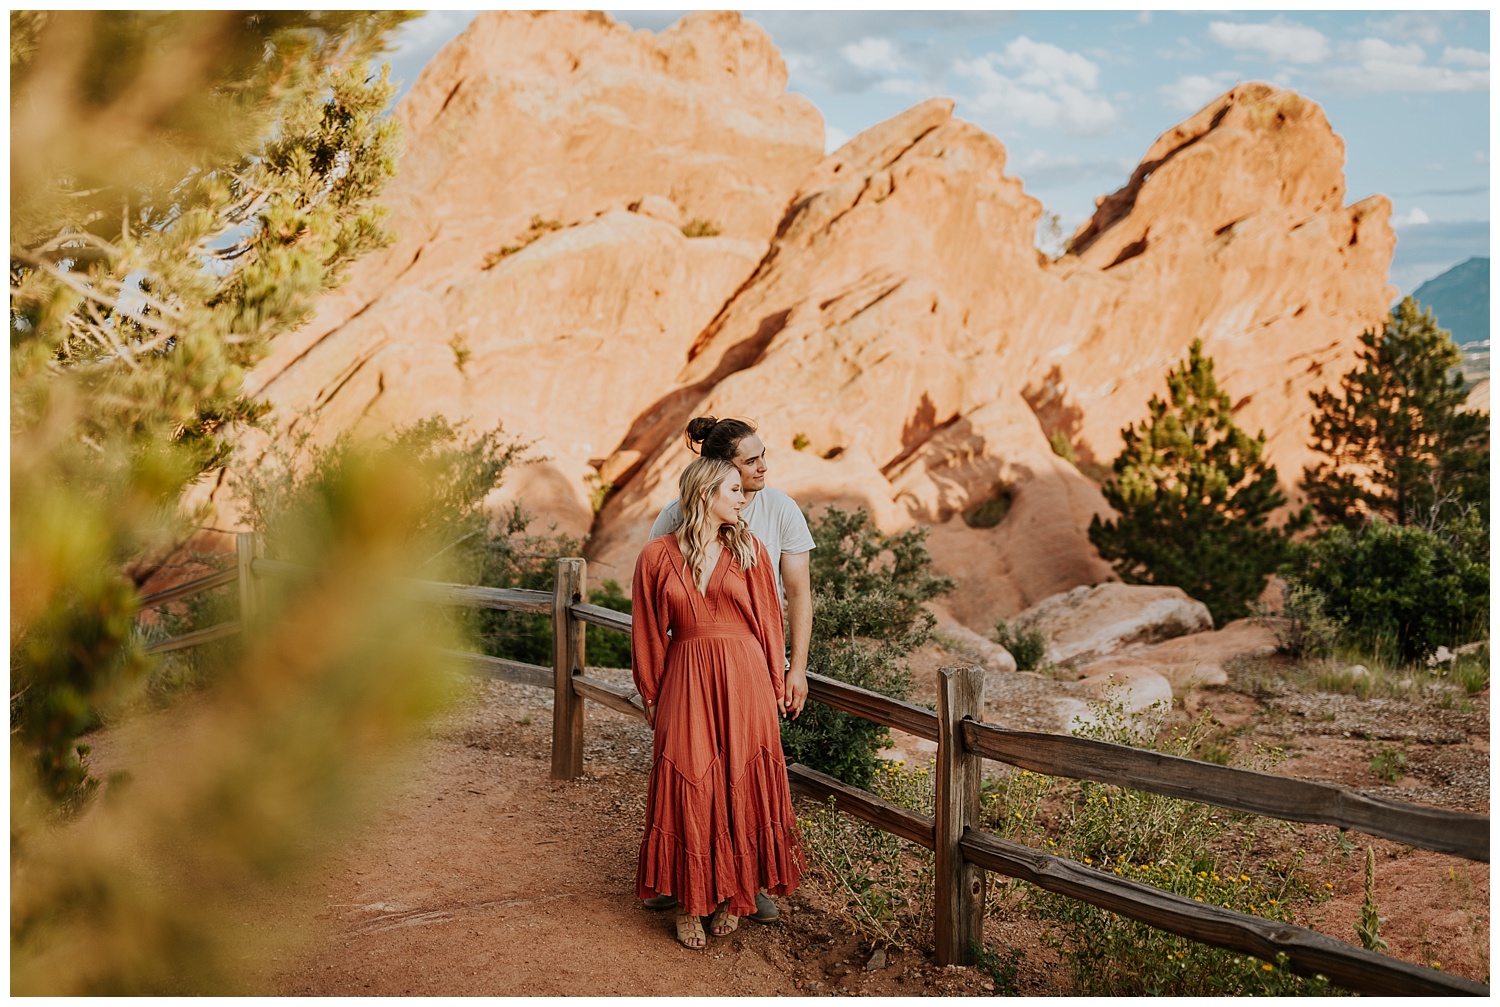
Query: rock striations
point(881, 312)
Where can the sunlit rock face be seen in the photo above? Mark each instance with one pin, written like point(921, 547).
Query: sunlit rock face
point(882, 312)
point(541, 279)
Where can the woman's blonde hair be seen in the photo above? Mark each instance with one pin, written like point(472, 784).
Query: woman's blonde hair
point(700, 481)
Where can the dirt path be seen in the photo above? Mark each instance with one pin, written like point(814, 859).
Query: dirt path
point(485, 877)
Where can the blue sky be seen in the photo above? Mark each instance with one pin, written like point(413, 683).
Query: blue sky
point(1078, 96)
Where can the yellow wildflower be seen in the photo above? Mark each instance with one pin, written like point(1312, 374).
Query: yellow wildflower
point(1087, 860)
point(1267, 968)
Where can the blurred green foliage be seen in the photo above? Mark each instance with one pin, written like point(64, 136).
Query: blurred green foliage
point(475, 545)
point(183, 186)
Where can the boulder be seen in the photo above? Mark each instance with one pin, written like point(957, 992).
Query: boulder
point(979, 649)
point(1087, 623)
point(1192, 660)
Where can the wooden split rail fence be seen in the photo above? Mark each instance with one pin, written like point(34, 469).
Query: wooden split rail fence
point(963, 852)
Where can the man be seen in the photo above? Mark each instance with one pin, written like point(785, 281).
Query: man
point(777, 521)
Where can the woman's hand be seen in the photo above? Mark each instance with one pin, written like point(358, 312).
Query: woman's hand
point(650, 714)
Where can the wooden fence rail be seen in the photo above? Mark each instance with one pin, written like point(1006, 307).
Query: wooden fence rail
point(963, 852)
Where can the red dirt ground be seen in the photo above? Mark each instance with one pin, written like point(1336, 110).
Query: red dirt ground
point(485, 877)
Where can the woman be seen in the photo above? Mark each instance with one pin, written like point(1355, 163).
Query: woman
point(708, 660)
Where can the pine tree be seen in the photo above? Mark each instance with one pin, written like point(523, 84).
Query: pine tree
point(1396, 437)
point(1193, 496)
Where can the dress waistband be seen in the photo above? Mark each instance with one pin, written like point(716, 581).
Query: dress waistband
point(711, 631)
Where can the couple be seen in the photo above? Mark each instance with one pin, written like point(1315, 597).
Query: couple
point(708, 657)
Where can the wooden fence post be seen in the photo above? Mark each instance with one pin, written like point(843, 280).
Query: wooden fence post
point(959, 886)
point(567, 661)
point(248, 547)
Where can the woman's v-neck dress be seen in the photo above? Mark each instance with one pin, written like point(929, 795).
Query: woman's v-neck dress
point(719, 819)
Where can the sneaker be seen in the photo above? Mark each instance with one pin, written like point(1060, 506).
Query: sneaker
point(765, 909)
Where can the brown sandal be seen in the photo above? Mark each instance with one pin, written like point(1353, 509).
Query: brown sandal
point(722, 922)
point(690, 929)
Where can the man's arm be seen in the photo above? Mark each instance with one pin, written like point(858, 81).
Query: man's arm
point(797, 580)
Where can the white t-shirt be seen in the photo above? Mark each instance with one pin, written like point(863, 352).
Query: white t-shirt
point(773, 517)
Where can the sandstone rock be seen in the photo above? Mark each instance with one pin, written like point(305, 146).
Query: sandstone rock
point(1134, 687)
point(884, 307)
point(1086, 623)
point(660, 207)
point(1479, 396)
point(983, 651)
point(880, 283)
point(521, 292)
point(1193, 660)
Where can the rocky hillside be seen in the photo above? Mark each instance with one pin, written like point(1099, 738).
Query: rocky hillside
point(881, 312)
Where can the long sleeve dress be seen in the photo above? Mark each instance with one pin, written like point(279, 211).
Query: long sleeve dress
point(719, 819)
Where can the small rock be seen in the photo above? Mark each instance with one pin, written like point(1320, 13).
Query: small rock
point(1441, 656)
point(877, 960)
point(1359, 671)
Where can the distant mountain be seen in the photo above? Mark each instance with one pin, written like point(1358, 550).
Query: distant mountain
point(1460, 298)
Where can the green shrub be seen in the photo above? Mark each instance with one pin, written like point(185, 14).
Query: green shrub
point(699, 227)
point(877, 884)
point(1027, 646)
point(990, 511)
point(1388, 763)
point(1167, 843)
point(1402, 591)
point(1472, 671)
point(476, 547)
point(1062, 447)
point(868, 590)
point(1308, 631)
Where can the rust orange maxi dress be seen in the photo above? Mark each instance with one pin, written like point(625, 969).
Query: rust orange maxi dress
point(719, 820)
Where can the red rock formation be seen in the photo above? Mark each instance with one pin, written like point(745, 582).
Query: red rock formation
point(884, 308)
point(905, 326)
point(522, 290)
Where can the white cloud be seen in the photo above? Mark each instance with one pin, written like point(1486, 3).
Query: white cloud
point(1379, 50)
point(1143, 17)
point(1041, 169)
point(1408, 24)
point(1481, 157)
point(1376, 65)
point(1183, 50)
point(834, 138)
point(912, 87)
point(1416, 215)
point(1281, 40)
point(875, 55)
point(1192, 92)
point(1049, 88)
point(1466, 57)
point(1043, 64)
